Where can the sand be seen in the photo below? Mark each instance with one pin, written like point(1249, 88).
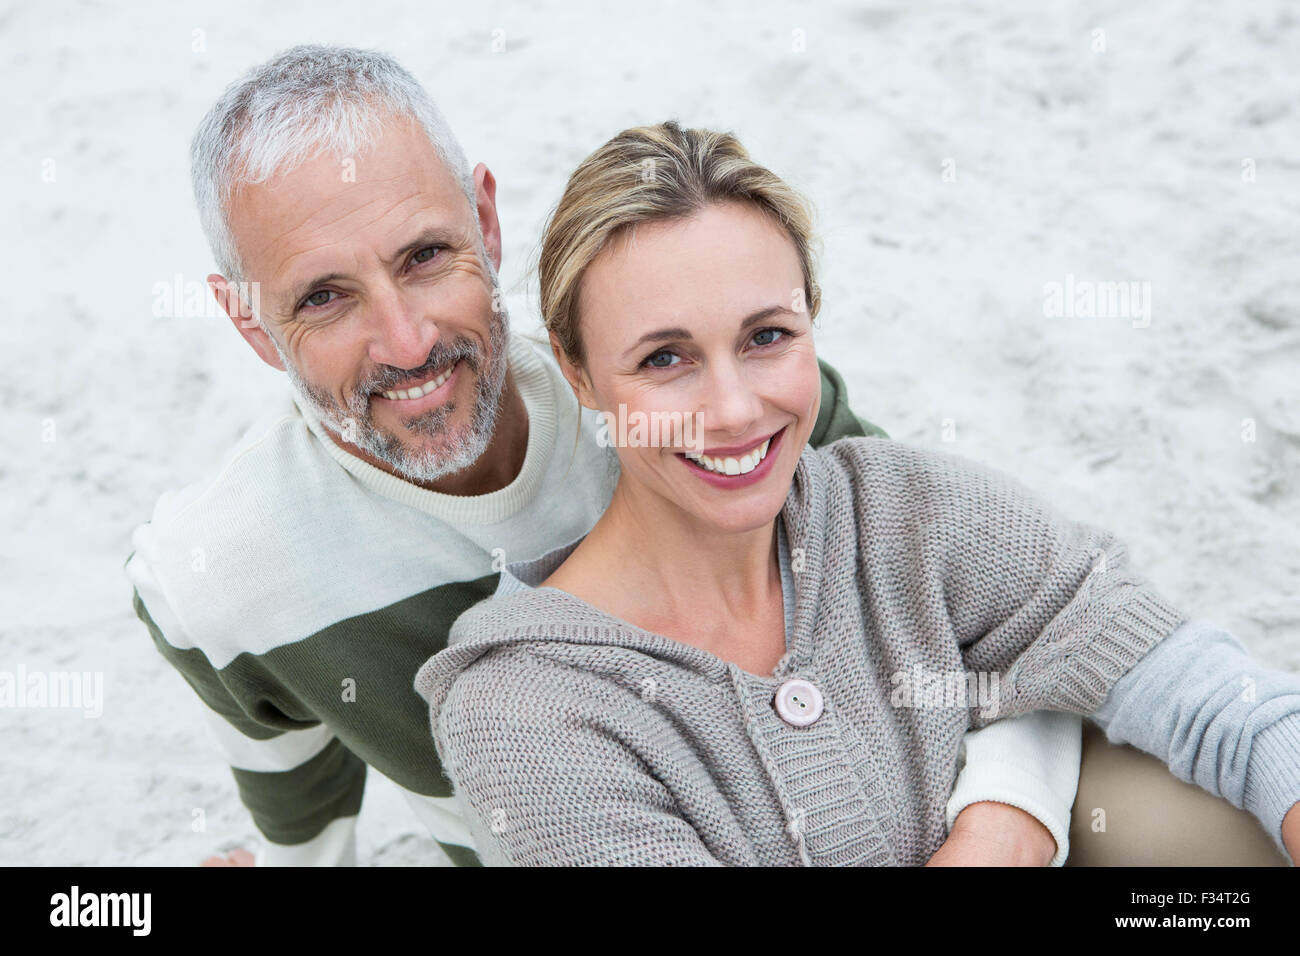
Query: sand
point(962, 157)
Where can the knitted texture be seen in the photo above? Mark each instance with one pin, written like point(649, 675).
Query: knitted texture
point(574, 737)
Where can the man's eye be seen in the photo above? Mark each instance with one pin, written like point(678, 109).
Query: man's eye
point(655, 360)
point(425, 254)
point(318, 298)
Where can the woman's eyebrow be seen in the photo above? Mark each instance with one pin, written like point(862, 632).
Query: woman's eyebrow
point(761, 314)
point(679, 333)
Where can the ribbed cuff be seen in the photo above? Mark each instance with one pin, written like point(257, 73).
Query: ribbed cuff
point(1141, 619)
point(1273, 776)
point(1007, 783)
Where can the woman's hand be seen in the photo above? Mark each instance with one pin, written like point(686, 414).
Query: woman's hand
point(997, 834)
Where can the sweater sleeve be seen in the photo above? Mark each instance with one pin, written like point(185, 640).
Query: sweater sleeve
point(530, 803)
point(302, 787)
point(1030, 762)
point(1047, 607)
point(1216, 717)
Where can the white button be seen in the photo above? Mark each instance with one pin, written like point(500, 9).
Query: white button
point(799, 703)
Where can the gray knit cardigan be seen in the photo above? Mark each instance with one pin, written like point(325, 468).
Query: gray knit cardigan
point(573, 737)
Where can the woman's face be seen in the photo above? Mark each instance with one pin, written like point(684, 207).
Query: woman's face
point(705, 318)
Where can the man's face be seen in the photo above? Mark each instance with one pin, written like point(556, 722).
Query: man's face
point(378, 294)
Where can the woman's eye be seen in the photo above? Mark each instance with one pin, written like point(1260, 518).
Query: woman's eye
point(771, 336)
point(656, 360)
point(316, 298)
point(425, 254)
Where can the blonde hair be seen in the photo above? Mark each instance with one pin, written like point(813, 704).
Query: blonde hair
point(653, 174)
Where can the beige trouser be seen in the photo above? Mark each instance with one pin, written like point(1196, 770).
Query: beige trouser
point(1131, 811)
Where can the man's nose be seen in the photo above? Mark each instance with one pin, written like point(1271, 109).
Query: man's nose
point(402, 331)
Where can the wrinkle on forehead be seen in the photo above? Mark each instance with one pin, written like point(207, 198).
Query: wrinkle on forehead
point(314, 197)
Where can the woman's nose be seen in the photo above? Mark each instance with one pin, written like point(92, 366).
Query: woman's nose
point(731, 404)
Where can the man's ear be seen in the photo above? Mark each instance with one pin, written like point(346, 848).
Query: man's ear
point(485, 194)
point(575, 376)
point(246, 321)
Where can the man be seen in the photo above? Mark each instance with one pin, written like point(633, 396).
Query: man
point(299, 589)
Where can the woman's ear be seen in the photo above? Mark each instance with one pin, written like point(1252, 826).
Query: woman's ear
point(574, 375)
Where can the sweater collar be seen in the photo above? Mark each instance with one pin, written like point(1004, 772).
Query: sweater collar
point(521, 613)
point(536, 388)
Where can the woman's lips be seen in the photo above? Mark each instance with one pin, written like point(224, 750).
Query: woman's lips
point(726, 471)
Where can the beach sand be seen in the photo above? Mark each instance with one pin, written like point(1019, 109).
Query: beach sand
point(962, 158)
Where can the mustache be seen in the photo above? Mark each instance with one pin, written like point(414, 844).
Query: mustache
point(387, 377)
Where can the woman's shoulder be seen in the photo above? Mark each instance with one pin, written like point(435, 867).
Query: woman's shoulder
point(519, 650)
point(888, 464)
point(883, 485)
point(488, 675)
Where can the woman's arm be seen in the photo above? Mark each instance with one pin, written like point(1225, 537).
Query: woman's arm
point(1219, 719)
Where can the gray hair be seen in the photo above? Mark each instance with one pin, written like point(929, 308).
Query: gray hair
point(302, 101)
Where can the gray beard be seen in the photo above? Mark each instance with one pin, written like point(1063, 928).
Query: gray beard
point(452, 451)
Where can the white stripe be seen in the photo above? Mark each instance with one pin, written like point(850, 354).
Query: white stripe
point(291, 749)
point(155, 602)
point(243, 562)
point(443, 816)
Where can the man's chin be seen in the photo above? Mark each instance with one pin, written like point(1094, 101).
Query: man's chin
point(430, 461)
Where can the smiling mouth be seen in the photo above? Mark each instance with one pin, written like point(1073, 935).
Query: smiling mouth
point(421, 389)
point(731, 465)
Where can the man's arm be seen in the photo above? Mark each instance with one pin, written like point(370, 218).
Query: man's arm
point(302, 787)
point(835, 420)
point(1029, 763)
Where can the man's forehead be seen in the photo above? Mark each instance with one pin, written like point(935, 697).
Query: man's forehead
point(399, 186)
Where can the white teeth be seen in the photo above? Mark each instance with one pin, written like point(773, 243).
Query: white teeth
point(419, 390)
point(732, 466)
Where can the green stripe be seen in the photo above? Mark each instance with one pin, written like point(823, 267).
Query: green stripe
point(300, 684)
point(461, 855)
point(379, 653)
point(293, 806)
point(210, 684)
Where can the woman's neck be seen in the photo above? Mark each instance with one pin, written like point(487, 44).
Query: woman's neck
point(669, 567)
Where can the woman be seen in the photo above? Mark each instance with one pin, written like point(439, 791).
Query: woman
point(737, 664)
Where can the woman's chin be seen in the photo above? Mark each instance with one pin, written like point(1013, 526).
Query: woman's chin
point(739, 511)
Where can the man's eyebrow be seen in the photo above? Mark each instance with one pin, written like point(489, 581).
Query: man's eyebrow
point(677, 332)
point(433, 236)
point(298, 292)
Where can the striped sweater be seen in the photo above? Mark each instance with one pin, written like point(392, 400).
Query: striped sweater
point(299, 590)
